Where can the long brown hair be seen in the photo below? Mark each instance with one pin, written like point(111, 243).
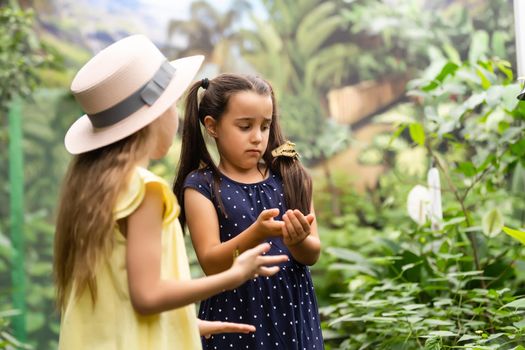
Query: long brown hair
point(85, 221)
point(214, 102)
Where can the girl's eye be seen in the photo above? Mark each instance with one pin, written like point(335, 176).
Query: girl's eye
point(244, 127)
point(266, 127)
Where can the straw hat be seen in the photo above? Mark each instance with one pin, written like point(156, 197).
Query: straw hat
point(122, 89)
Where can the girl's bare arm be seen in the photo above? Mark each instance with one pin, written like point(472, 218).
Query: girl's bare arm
point(203, 224)
point(149, 293)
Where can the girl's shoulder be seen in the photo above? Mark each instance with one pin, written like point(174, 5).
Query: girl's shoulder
point(202, 176)
point(132, 196)
point(200, 180)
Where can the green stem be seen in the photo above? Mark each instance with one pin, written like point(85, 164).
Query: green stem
point(16, 185)
point(471, 236)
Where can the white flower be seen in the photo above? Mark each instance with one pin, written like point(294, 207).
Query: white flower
point(417, 203)
point(425, 202)
point(435, 212)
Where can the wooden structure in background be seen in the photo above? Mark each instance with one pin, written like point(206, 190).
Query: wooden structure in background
point(355, 105)
point(350, 104)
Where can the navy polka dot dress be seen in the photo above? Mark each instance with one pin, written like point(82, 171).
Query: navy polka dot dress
point(283, 308)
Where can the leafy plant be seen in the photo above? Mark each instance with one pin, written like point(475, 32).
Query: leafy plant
point(414, 287)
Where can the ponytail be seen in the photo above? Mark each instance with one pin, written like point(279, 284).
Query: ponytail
point(194, 153)
point(297, 183)
point(193, 146)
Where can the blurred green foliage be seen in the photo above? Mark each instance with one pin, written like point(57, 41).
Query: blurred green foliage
point(397, 286)
point(411, 287)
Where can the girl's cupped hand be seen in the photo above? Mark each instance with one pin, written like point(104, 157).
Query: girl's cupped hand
point(208, 328)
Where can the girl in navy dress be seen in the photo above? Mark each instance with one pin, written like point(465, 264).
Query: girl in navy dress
point(258, 192)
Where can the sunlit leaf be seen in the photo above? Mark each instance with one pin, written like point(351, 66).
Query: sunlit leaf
point(518, 304)
point(417, 133)
point(519, 235)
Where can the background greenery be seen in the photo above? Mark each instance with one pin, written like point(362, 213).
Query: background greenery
point(383, 281)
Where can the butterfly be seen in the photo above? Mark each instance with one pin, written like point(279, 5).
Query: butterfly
point(287, 149)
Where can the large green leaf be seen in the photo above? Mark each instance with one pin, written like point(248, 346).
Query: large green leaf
point(518, 304)
point(519, 235)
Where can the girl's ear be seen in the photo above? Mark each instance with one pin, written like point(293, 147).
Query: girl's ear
point(211, 126)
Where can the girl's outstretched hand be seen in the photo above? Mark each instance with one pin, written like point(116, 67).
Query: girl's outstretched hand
point(208, 328)
point(252, 263)
point(296, 227)
point(266, 226)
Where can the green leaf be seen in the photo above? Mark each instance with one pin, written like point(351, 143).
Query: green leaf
point(467, 168)
point(485, 82)
point(518, 180)
point(519, 235)
point(452, 53)
point(417, 133)
point(468, 337)
point(518, 148)
point(506, 68)
point(479, 46)
point(520, 324)
point(454, 221)
point(499, 38)
point(396, 134)
point(437, 322)
point(433, 343)
point(448, 69)
point(442, 334)
point(346, 254)
point(492, 223)
point(518, 304)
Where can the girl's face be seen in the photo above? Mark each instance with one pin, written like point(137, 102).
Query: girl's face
point(242, 132)
point(166, 128)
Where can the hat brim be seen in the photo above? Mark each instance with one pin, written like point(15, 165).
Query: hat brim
point(82, 137)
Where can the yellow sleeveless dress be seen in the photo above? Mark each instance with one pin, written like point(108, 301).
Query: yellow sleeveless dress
point(112, 323)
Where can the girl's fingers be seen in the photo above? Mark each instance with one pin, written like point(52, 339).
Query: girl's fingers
point(292, 234)
point(230, 327)
point(258, 250)
point(302, 220)
point(267, 271)
point(275, 226)
point(286, 235)
point(268, 214)
point(295, 222)
point(310, 218)
point(272, 259)
point(208, 328)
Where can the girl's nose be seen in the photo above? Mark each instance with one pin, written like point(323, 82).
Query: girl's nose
point(256, 136)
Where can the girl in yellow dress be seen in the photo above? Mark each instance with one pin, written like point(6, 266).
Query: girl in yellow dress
point(120, 263)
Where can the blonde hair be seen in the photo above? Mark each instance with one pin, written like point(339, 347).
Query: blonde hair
point(85, 221)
